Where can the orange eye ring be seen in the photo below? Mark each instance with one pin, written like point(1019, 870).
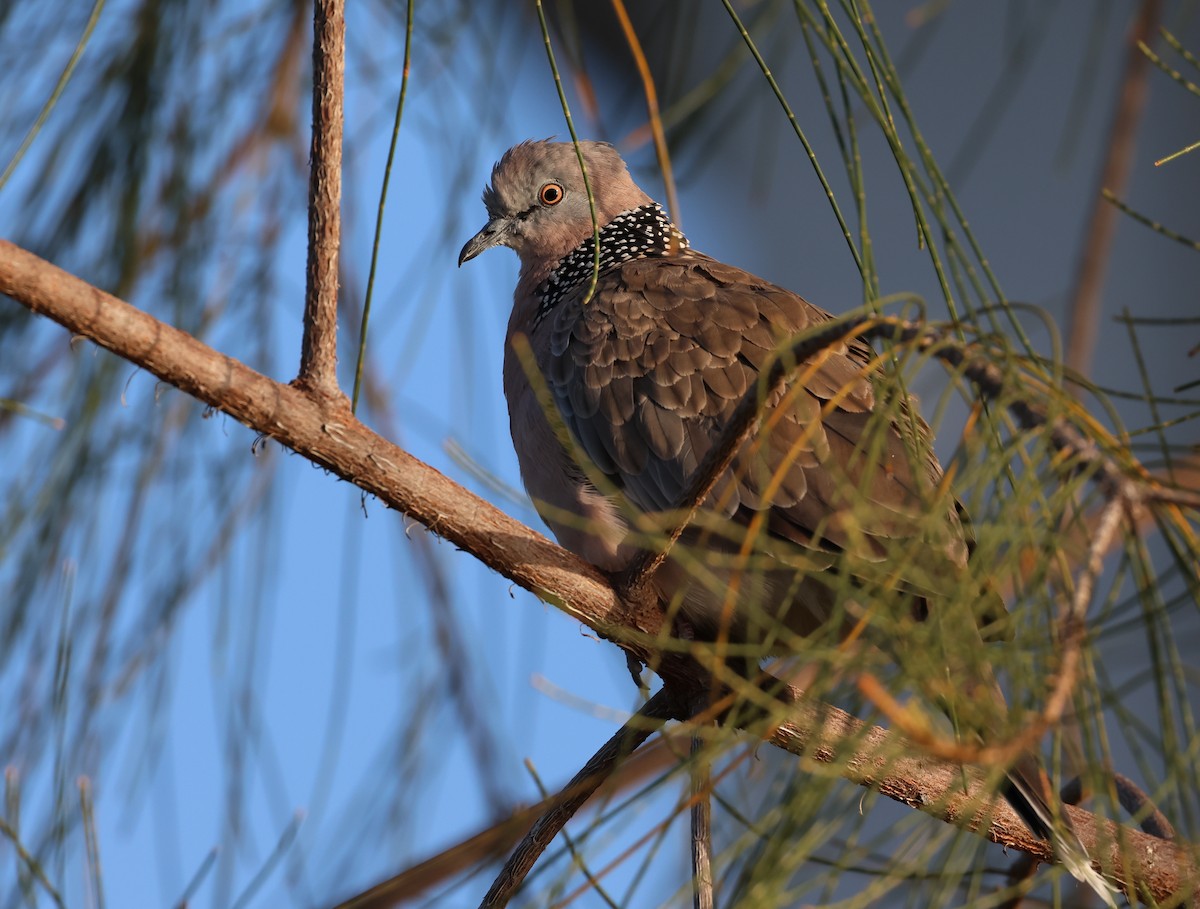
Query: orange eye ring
point(551, 194)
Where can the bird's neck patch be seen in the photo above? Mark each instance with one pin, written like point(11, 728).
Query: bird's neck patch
point(639, 233)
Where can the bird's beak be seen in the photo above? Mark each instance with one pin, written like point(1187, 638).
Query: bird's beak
point(494, 233)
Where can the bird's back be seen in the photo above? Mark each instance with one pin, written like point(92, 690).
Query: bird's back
point(647, 373)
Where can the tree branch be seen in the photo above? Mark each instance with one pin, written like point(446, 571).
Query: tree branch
point(318, 354)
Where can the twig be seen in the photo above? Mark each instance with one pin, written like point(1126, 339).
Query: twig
point(702, 879)
point(383, 193)
point(650, 717)
point(197, 879)
point(318, 354)
point(56, 93)
point(577, 857)
point(29, 863)
point(87, 810)
point(282, 845)
point(494, 841)
point(1155, 226)
point(1084, 312)
point(653, 833)
point(1136, 801)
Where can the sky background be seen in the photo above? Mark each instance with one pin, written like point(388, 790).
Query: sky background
point(317, 625)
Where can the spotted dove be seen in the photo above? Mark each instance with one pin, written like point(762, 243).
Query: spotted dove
point(644, 374)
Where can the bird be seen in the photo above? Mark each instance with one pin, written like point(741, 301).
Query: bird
point(644, 351)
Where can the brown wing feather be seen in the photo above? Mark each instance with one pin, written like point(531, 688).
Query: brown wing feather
point(649, 370)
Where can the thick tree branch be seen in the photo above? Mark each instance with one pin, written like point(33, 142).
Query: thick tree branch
point(318, 354)
point(325, 431)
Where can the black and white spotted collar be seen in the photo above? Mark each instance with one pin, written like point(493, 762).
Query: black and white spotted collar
point(636, 234)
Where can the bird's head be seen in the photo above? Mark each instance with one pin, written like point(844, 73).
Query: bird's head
point(538, 203)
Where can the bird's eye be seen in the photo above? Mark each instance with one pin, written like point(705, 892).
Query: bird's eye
point(551, 194)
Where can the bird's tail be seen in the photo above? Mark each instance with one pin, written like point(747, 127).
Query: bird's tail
point(1028, 790)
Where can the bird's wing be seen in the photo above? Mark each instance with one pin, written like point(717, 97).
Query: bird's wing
point(649, 370)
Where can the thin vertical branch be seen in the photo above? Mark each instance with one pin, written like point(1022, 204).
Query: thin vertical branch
point(318, 356)
point(383, 192)
point(87, 812)
point(702, 879)
point(1102, 224)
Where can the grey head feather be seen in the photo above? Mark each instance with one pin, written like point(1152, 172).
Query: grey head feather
point(542, 233)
